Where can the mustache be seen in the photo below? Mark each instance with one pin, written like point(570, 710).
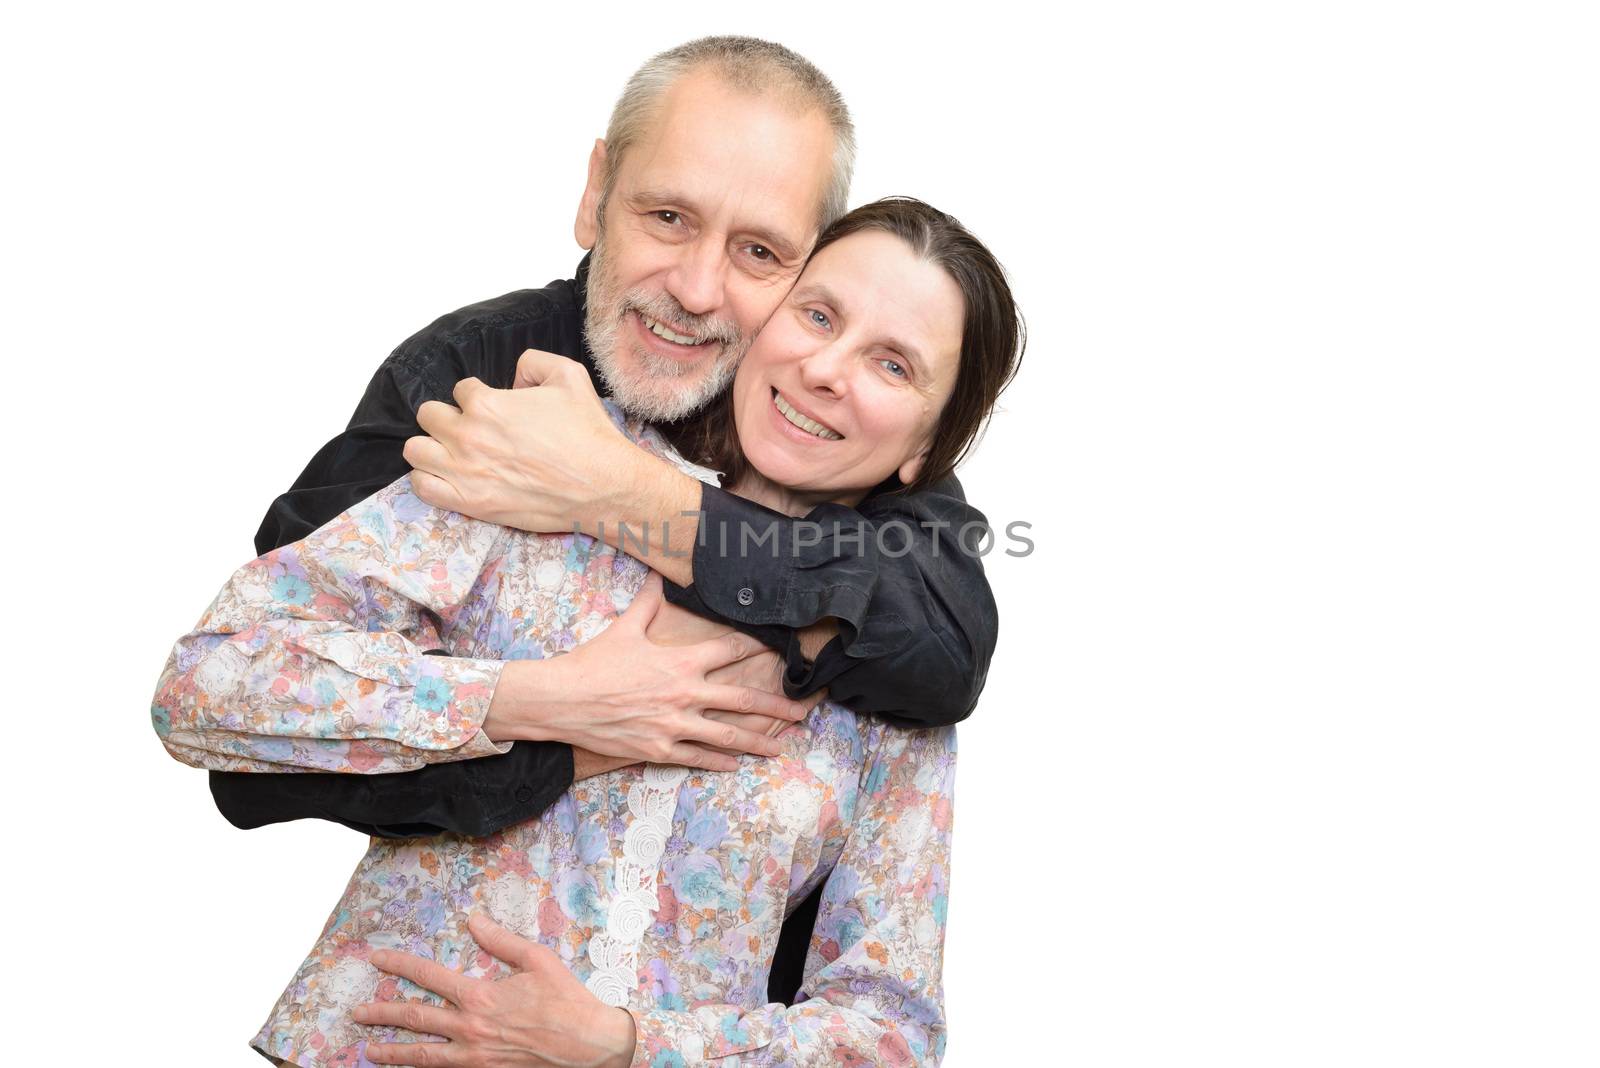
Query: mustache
point(664, 309)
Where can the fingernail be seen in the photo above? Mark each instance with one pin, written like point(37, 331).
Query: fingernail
point(360, 1013)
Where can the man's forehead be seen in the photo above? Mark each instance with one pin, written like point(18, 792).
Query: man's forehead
point(753, 160)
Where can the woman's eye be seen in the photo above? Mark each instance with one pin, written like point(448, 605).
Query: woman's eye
point(893, 368)
point(818, 319)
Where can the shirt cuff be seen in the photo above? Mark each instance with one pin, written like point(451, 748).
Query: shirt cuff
point(798, 673)
point(754, 565)
point(659, 1032)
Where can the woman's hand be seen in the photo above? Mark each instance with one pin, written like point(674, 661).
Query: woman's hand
point(542, 1016)
point(623, 695)
point(762, 671)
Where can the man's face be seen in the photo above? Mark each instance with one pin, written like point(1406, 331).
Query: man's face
point(708, 224)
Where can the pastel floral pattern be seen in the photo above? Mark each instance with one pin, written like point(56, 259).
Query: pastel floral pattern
point(663, 889)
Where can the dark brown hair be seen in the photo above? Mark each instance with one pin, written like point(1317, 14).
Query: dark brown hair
point(992, 340)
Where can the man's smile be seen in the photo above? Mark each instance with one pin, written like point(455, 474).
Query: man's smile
point(664, 341)
point(661, 330)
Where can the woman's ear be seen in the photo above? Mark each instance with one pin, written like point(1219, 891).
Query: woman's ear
point(913, 467)
point(587, 226)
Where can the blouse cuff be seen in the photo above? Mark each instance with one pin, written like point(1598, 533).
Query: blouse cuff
point(450, 699)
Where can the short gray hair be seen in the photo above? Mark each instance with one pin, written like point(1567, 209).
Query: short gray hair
point(748, 64)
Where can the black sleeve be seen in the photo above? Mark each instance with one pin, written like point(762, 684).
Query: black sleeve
point(902, 576)
point(473, 797)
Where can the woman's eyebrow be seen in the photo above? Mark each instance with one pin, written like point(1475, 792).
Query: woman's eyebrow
point(910, 354)
point(819, 292)
point(815, 291)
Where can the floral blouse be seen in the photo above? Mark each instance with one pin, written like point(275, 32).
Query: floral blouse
point(663, 888)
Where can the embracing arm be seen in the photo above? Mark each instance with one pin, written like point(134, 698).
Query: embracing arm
point(473, 797)
point(316, 655)
point(916, 621)
point(894, 592)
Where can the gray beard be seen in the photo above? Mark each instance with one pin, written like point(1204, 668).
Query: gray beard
point(658, 389)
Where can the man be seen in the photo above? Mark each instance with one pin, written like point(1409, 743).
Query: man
point(723, 160)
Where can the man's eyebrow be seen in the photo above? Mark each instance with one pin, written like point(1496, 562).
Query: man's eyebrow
point(786, 248)
point(783, 246)
point(656, 196)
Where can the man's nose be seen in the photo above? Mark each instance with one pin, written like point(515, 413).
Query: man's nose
point(698, 279)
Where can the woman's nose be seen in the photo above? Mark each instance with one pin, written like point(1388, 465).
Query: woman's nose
point(826, 371)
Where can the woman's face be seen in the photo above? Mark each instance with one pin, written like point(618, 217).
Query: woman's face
point(844, 384)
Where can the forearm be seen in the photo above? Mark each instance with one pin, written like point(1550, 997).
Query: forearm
point(652, 512)
point(916, 625)
point(264, 701)
point(470, 797)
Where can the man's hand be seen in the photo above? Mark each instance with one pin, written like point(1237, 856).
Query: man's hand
point(547, 458)
point(542, 1016)
point(623, 695)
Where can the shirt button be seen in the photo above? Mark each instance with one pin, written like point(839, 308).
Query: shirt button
point(524, 793)
point(747, 596)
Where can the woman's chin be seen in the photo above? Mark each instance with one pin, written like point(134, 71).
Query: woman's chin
point(777, 466)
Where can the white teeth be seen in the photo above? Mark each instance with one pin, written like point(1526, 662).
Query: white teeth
point(810, 426)
point(660, 331)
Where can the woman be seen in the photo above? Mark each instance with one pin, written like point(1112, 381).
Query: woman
point(661, 888)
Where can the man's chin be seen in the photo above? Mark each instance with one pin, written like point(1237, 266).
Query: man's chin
point(662, 398)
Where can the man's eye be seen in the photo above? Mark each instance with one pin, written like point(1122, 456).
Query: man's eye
point(893, 368)
point(671, 218)
point(762, 253)
point(819, 319)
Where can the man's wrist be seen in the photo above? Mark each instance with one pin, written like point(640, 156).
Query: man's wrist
point(587, 763)
point(655, 516)
point(817, 635)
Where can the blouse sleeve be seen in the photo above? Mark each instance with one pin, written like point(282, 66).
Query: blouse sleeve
point(314, 656)
point(872, 992)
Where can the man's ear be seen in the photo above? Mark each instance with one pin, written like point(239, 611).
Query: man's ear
point(587, 227)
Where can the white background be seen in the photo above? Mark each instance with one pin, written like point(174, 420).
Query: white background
point(1288, 752)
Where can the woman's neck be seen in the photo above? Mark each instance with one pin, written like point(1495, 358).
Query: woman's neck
point(754, 486)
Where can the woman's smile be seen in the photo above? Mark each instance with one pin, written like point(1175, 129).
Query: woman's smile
point(809, 427)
